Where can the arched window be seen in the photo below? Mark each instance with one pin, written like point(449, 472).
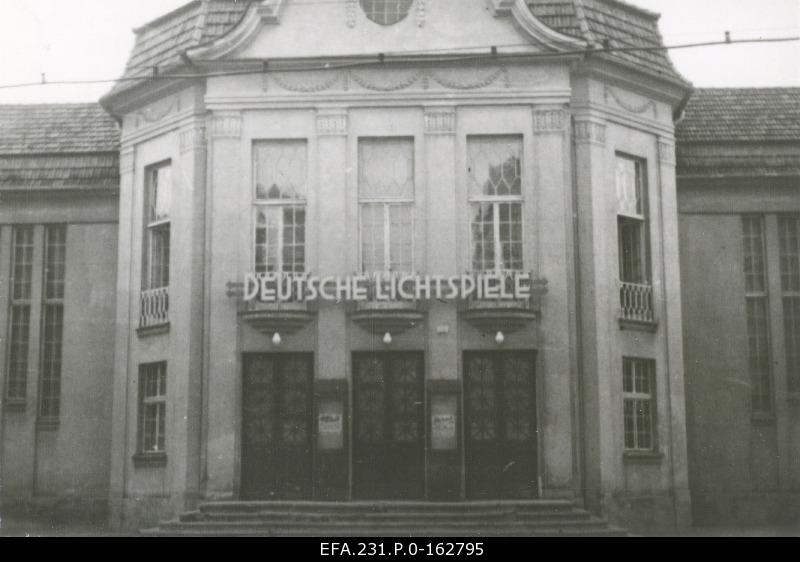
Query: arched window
point(386, 12)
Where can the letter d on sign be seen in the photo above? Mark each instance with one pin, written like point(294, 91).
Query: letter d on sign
point(250, 287)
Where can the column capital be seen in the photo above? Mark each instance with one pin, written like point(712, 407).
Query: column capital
point(332, 123)
point(126, 160)
point(440, 121)
point(666, 152)
point(590, 132)
point(226, 125)
point(550, 120)
point(193, 138)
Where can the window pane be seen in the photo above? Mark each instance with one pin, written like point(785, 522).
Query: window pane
point(386, 168)
point(23, 262)
point(372, 238)
point(631, 246)
point(791, 320)
point(400, 238)
point(159, 256)
point(759, 354)
point(18, 352)
point(629, 183)
point(294, 224)
point(386, 12)
point(790, 253)
point(483, 254)
point(152, 407)
point(281, 169)
point(638, 386)
point(495, 166)
point(56, 253)
point(754, 267)
point(160, 193)
point(511, 235)
point(50, 397)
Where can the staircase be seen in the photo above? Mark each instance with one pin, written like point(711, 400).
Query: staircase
point(388, 519)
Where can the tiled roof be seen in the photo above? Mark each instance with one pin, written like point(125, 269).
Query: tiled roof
point(57, 128)
point(59, 171)
point(724, 115)
point(58, 146)
point(161, 42)
point(619, 25)
point(611, 24)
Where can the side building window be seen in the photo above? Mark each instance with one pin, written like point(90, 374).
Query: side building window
point(756, 300)
point(152, 408)
point(495, 198)
point(633, 233)
point(55, 254)
point(20, 317)
point(638, 388)
point(789, 231)
point(158, 202)
point(386, 201)
point(281, 188)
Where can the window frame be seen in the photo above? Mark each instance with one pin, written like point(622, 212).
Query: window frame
point(790, 297)
point(762, 297)
point(51, 364)
point(296, 204)
point(636, 397)
point(640, 219)
point(387, 203)
point(496, 201)
point(154, 226)
point(20, 307)
point(159, 369)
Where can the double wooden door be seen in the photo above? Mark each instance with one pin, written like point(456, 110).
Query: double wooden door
point(388, 426)
point(277, 427)
point(500, 425)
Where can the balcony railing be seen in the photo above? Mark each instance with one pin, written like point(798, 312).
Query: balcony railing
point(154, 308)
point(636, 302)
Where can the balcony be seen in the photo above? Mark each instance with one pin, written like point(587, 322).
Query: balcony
point(277, 317)
point(506, 315)
point(636, 307)
point(154, 311)
point(381, 316)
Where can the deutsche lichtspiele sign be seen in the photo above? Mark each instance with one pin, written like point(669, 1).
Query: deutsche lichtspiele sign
point(272, 287)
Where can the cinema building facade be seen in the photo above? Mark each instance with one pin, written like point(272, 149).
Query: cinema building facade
point(398, 250)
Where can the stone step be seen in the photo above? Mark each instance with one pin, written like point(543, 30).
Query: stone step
point(388, 523)
point(383, 507)
point(268, 516)
point(555, 531)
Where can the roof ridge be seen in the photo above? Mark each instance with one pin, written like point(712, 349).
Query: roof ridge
point(54, 104)
point(634, 8)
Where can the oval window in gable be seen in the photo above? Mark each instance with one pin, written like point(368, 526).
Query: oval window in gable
point(386, 12)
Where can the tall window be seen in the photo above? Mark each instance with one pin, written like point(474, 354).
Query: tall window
point(152, 407)
point(386, 12)
point(53, 321)
point(159, 202)
point(386, 199)
point(638, 388)
point(755, 274)
point(789, 231)
point(21, 293)
point(495, 195)
point(634, 250)
point(281, 176)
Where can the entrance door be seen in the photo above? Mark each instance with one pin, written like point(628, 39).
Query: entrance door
point(277, 427)
point(500, 416)
point(389, 426)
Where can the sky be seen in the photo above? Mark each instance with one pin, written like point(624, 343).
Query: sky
point(91, 40)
